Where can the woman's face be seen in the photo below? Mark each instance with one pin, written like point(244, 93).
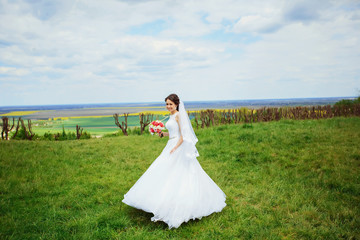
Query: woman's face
point(170, 105)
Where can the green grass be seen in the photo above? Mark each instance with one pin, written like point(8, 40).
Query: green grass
point(283, 180)
point(95, 126)
point(99, 126)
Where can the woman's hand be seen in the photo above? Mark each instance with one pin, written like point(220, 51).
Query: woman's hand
point(163, 134)
point(173, 150)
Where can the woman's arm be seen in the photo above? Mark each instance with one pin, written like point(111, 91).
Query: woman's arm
point(181, 138)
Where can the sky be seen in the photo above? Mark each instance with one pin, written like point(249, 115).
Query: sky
point(113, 51)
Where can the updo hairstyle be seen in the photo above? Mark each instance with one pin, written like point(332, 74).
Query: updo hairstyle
point(175, 99)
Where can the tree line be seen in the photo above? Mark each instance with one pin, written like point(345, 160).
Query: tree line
point(209, 117)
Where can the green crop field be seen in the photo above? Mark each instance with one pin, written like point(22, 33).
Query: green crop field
point(93, 125)
point(283, 180)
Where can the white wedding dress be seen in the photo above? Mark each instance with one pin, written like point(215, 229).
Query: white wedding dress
point(175, 188)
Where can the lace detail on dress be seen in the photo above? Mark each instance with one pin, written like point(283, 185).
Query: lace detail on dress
point(173, 127)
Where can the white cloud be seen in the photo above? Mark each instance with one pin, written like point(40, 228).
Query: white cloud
point(66, 46)
point(257, 24)
point(12, 71)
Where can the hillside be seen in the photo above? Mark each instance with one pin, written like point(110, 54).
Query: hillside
point(287, 179)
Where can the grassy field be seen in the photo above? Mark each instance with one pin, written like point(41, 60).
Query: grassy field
point(283, 180)
point(95, 125)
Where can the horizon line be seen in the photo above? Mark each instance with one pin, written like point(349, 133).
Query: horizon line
point(255, 99)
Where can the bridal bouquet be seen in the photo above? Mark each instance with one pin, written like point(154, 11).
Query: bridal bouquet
point(156, 127)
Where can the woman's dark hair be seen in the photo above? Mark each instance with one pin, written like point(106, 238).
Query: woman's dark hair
point(175, 99)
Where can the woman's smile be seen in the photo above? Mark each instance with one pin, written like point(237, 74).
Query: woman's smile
point(170, 105)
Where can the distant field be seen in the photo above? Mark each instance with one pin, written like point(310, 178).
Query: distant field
point(18, 113)
point(82, 112)
point(94, 125)
point(97, 121)
point(103, 109)
point(97, 118)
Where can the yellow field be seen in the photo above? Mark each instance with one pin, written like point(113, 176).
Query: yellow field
point(101, 116)
point(74, 117)
point(19, 113)
point(155, 112)
point(164, 112)
point(120, 107)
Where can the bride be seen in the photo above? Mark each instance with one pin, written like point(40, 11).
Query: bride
point(175, 188)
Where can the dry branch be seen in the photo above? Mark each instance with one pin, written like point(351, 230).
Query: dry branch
point(6, 128)
point(79, 131)
point(28, 131)
point(123, 126)
point(145, 119)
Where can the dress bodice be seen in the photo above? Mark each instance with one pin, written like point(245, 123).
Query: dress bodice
point(172, 126)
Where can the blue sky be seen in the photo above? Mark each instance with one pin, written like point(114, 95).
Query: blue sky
point(87, 51)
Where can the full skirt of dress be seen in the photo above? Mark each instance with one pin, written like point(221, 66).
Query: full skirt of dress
point(176, 189)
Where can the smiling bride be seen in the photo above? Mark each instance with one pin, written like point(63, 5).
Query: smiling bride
point(175, 188)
